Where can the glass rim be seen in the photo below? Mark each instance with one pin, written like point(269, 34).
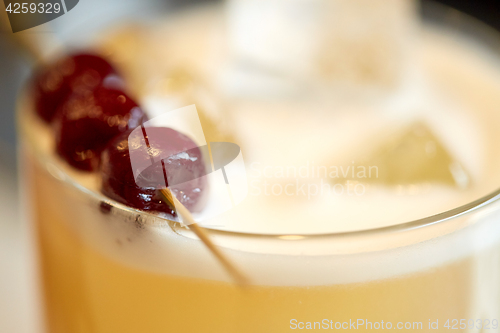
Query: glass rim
point(432, 13)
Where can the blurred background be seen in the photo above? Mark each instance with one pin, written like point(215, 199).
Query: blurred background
point(15, 298)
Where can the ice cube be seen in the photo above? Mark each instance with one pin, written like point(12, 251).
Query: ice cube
point(355, 41)
point(414, 157)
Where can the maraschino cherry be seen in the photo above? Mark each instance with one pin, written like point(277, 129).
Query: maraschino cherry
point(167, 153)
point(86, 121)
point(54, 83)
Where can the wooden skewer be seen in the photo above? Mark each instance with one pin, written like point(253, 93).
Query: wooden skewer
point(241, 279)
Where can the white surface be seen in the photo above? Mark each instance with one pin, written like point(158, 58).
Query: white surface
point(16, 294)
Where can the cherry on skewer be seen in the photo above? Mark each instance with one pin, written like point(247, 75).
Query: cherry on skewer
point(53, 83)
point(173, 153)
point(88, 120)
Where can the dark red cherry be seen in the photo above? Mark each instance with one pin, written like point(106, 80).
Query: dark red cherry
point(154, 152)
point(54, 83)
point(88, 120)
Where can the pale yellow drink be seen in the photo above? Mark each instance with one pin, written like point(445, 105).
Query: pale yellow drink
point(86, 291)
point(121, 270)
